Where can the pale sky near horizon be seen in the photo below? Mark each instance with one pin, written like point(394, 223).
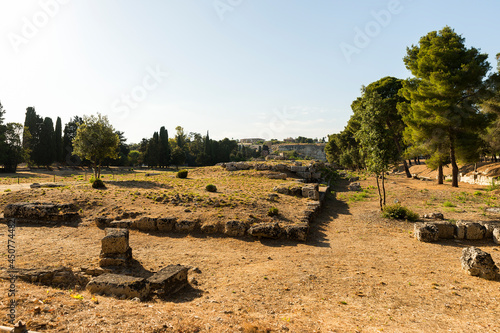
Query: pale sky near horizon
point(236, 68)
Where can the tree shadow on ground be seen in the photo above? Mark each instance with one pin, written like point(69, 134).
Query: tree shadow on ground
point(142, 184)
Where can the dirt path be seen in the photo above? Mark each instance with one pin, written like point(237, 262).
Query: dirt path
point(358, 273)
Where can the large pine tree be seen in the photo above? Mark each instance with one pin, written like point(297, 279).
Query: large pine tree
point(443, 95)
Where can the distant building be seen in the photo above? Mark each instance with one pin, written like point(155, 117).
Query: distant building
point(252, 140)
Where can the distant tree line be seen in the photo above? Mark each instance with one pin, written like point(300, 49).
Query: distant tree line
point(448, 112)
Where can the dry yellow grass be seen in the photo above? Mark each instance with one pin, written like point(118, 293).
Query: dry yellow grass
point(357, 273)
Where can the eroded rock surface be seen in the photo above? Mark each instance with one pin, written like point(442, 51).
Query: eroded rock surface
point(479, 263)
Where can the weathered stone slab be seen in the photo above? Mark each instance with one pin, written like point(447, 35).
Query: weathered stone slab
point(489, 226)
point(354, 187)
point(209, 228)
point(434, 216)
point(41, 212)
point(471, 230)
point(265, 230)
point(116, 259)
point(235, 228)
point(496, 235)
point(166, 224)
point(123, 224)
point(58, 276)
point(426, 232)
point(169, 280)
point(446, 230)
point(311, 191)
point(146, 224)
point(282, 176)
point(119, 286)
point(115, 241)
point(103, 222)
point(494, 210)
point(297, 232)
point(186, 225)
point(479, 263)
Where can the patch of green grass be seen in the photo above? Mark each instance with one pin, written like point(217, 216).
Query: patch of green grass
point(448, 204)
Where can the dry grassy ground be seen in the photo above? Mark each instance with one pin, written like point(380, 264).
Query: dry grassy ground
point(357, 273)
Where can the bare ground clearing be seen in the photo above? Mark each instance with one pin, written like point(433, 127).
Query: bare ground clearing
point(357, 272)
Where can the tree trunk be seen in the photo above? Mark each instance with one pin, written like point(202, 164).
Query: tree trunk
point(440, 174)
point(398, 147)
point(409, 162)
point(454, 166)
point(383, 187)
point(379, 194)
point(415, 160)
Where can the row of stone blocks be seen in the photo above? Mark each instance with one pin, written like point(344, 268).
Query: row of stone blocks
point(310, 171)
point(41, 212)
point(433, 231)
point(167, 281)
point(297, 232)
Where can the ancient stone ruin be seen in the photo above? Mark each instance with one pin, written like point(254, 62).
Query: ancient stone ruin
point(115, 250)
point(467, 230)
point(479, 263)
point(42, 213)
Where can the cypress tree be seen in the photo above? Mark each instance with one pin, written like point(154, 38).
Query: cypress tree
point(165, 151)
point(58, 141)
point(45, 149)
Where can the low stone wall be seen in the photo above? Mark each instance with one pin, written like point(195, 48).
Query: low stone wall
point(467, 230)
point(310, 172)
point(477, 179)
point(234, 228)
point(41, 213)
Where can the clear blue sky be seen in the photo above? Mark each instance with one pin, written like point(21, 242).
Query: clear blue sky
point(238, 68)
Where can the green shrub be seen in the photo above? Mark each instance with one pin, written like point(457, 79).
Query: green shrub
point(97, 183)
point(182, 174)
point(273, 211)
point(211, 188)
point(399, 212)
point(448, 204)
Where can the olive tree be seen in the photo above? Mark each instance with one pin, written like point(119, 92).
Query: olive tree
point(95, 141)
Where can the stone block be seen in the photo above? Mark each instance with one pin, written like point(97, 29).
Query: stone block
point(115, 259)
point(490, 227)
point(354, 187)
point(103, 222)
point(297, 232)
point(265, 230)
point(115, 241)
point(169, 280)
point(472, 230)
point(479, 263)
point(186, 225)
point(166, 224)
point(496, 235)
point(209, 228)
point(434, 216)
point(311, 191)
point(460, 230)
point(119, 286)
point(235, 228)
point(146, 224)
point(426, 232)
point(122, 224)
point(446, 230)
